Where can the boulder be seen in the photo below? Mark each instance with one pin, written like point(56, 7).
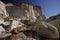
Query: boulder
point(55, 20)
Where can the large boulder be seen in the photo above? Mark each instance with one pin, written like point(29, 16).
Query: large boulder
point(55, 20)
point(46, 30)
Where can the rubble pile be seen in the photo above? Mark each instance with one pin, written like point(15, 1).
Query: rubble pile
point(25, 22)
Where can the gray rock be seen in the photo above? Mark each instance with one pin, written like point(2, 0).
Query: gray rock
point(4, 35)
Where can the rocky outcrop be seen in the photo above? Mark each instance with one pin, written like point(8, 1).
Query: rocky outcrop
point(38, 13)
point(56, 17)
point(27, 22)
point(55, 20)
point(23, 9)
point(26, 12)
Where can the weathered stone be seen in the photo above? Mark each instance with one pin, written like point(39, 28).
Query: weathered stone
point(41, 30)
point(55, 20)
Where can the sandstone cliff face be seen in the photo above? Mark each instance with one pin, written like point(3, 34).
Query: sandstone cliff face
point(30, 16)
point(38, 12)
point(26, 10)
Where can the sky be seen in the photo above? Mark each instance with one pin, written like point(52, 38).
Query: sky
point(49, 7)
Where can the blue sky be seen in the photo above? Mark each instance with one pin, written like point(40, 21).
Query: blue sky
point(49, 7)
